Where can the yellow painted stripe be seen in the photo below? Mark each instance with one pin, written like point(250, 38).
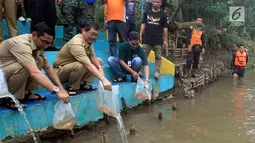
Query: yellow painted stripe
point(117, 39)
point(167, 67)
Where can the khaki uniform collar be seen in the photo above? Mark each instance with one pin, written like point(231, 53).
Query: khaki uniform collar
point(84, 43)
point(33, 46)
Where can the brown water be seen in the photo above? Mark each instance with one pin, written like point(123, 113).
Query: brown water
point(224, 112)
point(65, 125)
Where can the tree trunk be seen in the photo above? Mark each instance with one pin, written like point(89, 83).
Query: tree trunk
point(177, 10)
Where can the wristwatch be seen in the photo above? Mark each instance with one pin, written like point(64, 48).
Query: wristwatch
point(55, 90)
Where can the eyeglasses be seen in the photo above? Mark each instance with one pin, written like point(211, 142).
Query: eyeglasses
point(46, 42)
point(93, 34)
point(156, 2)
point(134, 44)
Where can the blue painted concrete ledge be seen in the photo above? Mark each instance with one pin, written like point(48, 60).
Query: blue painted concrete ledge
point(40, 114)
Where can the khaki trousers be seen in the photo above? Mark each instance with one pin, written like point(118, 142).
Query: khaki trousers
point(10, 11)
point(158, 52)
point(74, 74)
point(18, 79)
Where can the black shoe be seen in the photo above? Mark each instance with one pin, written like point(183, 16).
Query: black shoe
point(195, 73)
point(186, 74)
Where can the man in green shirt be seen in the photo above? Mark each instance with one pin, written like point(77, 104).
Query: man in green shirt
point(131, 59)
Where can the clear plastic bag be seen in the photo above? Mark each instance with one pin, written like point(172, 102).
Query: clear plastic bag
point(64, 117)
point(142, 92)
point(107, 101)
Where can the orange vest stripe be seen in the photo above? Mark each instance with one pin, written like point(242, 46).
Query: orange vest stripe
point(195, 36)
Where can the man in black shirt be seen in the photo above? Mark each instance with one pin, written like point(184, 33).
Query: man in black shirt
point(154, 33)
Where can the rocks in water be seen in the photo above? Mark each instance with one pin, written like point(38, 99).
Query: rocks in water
point(174, 106)
point(104, 135)
point(189, 93)
point(160, 116)
point(132, 129)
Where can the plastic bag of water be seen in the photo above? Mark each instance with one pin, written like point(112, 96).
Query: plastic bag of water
point(142, 92)
point(107, 101)
point(64, 117)
point(3, 84)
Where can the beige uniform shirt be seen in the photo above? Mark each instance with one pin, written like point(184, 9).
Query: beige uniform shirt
point(77, 49)
point(21, 49)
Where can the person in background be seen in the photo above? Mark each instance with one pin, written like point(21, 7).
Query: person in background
point(105, 16)
point(74, 13)
point(169, 11)
point(22, 60)
point(20, 16)
point(10, 11)
point(91, 9)
point(239, 62)
point(130, 60)
point(154, 33)
point(147, 6)
point(196, 46)
point(44, 11)
point(116, 23)
point(77, 64)
point(131, 14)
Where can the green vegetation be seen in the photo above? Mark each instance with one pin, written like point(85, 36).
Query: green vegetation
point(215, 14)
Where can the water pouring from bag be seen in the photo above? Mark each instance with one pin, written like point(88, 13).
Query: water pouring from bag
point(5, 93)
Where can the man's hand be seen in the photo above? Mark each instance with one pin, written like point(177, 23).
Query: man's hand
point(106, 25)
point(19, 2)
point(141, 39)
point(63, 95)
point(203, 51)
point(107, 85)
point(165, 45)
point(136, 12)
point(146, 83)
point(189, 48)
point(59, 2)
point(135, 75)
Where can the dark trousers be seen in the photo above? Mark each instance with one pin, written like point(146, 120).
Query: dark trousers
point(194, 57)
point(239, 71)
point(114, 27)
point(114, 63)
point(75, 13)
point(26, 8)
point(43, 11)
point(130, 26)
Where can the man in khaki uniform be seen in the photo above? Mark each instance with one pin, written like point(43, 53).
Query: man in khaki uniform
point(77, 64)
point(22, 60)
point(10, 12)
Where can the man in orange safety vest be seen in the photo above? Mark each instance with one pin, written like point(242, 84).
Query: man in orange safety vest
point(196, 45)
point(239, 62)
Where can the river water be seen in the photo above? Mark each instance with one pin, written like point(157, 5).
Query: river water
point(223, 112)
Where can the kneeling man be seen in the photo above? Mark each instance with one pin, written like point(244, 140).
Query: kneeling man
point(22, 60)
point(131, 59)
point(76, 63)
